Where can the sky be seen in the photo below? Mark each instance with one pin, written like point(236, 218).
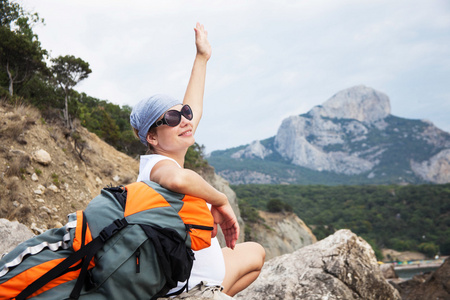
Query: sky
point(270, 59)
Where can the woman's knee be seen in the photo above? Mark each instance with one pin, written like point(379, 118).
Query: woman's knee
point(254, 255)
point(259, 253)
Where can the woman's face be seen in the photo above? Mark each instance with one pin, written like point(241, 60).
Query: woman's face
point(173, 139)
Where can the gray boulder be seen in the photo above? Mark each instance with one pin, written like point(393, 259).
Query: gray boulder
point(342, 266)
point(12, 233)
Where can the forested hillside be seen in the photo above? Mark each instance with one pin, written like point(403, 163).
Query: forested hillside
point(28, 74)
point(413, 217)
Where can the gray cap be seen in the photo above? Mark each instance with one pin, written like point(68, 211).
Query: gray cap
point(147, 111)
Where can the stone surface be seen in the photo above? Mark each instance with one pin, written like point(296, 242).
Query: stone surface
point(388, 271)
point(360, 103)
point(281, 233)
point(12, 233)
point(342, 266)
point(435, 285)
point(42, 157)
point(436, 169)
point(254, 150)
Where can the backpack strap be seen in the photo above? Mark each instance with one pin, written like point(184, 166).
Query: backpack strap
point(85, 253)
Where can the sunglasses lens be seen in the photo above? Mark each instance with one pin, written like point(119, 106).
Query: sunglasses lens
point(172, 117)
point(186, 111)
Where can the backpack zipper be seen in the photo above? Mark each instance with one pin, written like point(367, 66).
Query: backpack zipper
point(201, 227)
point(138, 260)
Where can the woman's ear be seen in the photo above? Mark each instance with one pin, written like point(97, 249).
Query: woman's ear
point(152, 138)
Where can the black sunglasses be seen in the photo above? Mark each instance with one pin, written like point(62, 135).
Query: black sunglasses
point(173, 117)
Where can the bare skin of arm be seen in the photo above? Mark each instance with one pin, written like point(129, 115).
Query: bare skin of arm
point(186, 181)
point(196, 86)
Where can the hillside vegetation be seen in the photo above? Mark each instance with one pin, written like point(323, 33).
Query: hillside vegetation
point(414, 217)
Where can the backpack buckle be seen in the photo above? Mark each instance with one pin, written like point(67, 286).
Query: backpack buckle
point(112, 229)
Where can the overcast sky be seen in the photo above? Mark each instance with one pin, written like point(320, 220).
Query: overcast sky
point(271, 59)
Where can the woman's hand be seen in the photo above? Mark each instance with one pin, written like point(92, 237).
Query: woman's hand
point(225, 217)
point(201, 41)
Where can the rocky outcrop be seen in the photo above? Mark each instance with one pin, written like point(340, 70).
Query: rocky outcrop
point(12, 233)
point(246, 176)
point(360, 103)
point(43, 157)
point(435, 285)
point(436, 169)
point(342, 266)
point(281, 233)
point(254, 150)
point(304, 139)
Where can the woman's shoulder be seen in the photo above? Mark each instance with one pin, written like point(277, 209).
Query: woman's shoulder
point(154, 158)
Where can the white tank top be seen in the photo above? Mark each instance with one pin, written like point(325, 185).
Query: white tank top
point(208, 265)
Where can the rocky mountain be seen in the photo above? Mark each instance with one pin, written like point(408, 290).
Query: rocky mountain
point(352, 138)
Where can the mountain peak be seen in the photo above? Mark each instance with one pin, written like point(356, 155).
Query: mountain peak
point(359, 102)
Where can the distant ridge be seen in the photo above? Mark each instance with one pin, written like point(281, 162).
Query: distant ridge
point(351, 139)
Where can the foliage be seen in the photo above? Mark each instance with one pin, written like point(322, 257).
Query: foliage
point(276, 205)
point(194, 158)
point(21, 54)
point(413, 217)
point(68, 71)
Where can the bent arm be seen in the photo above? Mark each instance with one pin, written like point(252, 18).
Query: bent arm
point(196, 86)
point(185, 181)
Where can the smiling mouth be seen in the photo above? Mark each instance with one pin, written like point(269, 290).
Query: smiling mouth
point(187, 132)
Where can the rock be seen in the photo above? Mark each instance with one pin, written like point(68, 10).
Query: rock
point(254, 150)
point(304, 141)
point(18, 152)
point(360, 103)
point(388, 271)
point(46, 209)
point(281, 233)
point(98, 181)
point(40, 190)
point(116, 178)
point(246, 177)
point(42, 157)
point(435, 285)
point(57, 224)
point(342, 266)
point(34, 177)
point(12, 233)
point(37, 229)
point(53, 188)
point(436, 169)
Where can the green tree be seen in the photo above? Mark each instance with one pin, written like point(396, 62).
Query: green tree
point(21, 54)
point(68, 71)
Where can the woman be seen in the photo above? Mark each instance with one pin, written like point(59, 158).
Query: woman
point(167, 128)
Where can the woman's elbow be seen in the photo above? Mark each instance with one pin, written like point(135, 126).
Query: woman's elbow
point(176, 183)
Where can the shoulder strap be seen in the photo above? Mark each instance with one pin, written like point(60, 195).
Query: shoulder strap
point(86, 254)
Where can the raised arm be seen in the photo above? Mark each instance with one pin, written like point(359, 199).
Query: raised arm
point(196, 86)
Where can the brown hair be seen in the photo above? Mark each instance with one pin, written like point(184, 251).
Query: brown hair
point(150, 149)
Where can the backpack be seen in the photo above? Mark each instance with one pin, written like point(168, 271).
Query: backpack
point(132, 242)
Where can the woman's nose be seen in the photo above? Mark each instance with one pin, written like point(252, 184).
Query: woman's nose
point(184, 121)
